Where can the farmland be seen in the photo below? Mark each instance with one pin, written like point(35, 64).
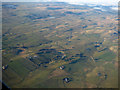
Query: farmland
point(39, 38)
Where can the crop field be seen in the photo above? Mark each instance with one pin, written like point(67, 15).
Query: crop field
point(59, 45)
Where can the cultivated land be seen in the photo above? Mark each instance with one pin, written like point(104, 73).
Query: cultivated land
point(39, 38)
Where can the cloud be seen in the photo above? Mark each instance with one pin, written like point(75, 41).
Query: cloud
point(110, 2)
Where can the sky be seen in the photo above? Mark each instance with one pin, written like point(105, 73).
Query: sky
point(103, 2)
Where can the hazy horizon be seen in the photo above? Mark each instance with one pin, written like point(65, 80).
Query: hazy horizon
point(100, 2)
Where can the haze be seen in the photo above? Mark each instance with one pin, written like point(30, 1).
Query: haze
point(103, 2)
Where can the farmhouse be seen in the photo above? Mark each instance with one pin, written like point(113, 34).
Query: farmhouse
point(5, 67)
point(66, 80)
point(62, 67)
